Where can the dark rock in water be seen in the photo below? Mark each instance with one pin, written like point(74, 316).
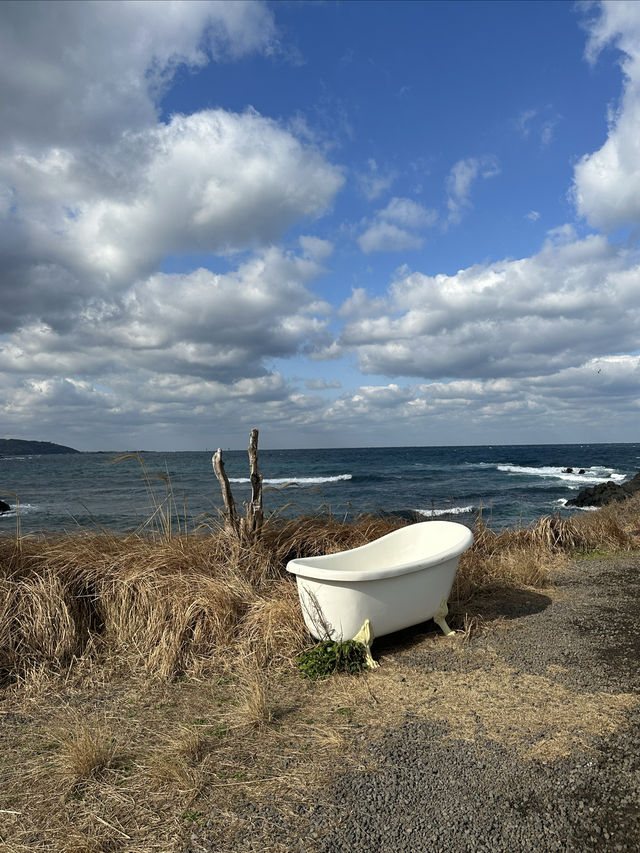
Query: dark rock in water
point(567, 470)
point(606, 493)
point(581, 471)
point(4, 507)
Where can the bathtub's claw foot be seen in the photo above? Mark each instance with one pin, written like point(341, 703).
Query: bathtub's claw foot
point(365, 636)
point(439, 619)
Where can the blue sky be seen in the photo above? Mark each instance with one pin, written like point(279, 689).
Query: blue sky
point(346, 223)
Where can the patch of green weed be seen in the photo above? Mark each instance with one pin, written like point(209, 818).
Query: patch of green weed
point(328, 657)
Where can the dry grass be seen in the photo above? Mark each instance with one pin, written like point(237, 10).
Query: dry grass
point(174, 604)
point(139, 774)
point(147, 680)
point(528, 556)
point(168, 605)
point(86, 747)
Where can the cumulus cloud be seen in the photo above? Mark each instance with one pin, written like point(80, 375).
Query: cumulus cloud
point(571, 301)
point(125, 405)
point(396, 227)
point(460, 181)
point(534, 405)
point(214, 181)
point(94, 190)
point(606, 186)
point(170, 349)
point(219, 327)
point(73, 73)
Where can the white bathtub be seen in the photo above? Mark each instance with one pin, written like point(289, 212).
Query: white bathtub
point(396, 581)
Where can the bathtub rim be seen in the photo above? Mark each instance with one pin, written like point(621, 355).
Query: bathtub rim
point(312, 567)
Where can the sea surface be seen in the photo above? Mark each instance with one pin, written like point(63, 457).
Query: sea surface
point(512, 485)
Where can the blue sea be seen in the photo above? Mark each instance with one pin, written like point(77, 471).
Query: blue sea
point(512, 484)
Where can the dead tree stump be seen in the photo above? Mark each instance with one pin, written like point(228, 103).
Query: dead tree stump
point(231, 520)
point(251, 524)
point(247, 529)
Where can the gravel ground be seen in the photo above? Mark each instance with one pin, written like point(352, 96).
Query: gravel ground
point(494, 784)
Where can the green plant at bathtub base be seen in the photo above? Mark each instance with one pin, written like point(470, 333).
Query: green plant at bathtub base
point(329, 657)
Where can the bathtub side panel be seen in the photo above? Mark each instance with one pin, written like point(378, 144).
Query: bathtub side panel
point(390, 603)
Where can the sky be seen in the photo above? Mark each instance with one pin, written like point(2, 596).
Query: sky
point(345, 223)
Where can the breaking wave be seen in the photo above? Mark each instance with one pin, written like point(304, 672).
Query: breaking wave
point(592, 476)
point(452, 510)
point(293, 481)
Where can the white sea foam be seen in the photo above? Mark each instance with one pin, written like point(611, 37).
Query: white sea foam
point(452, 510)
point(592, 476)
point(293, 481)
point(563, 502)
point(24, 508)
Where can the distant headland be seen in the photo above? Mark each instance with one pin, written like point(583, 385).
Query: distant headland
point(18, 447)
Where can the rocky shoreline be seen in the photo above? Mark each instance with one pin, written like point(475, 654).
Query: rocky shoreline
point(605, 493)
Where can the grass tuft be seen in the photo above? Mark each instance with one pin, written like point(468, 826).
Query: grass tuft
point(85, 749)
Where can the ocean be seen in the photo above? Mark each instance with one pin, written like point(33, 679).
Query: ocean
point(513, 484)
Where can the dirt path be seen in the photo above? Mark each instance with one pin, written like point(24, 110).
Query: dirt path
point(524, 738)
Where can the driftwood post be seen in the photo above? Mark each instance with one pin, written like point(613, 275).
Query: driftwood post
point(251, 525)
point(231, 521)
point(248, 528)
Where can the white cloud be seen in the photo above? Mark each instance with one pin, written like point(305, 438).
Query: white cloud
point(572, 301)
point(94, 191)
point(606, 185)
point(531, 406)
point(219, 327)
point(523, 122)
point(322, 384)
point(397, 227)
point(547, 131)
point(315, 248)
point(560, 403)
point(214, 182)
point(387, 237)
point(172, 350)
point(179, 410)
point(530, 121)
point(408, 214)
point(460, 180)
point(373, 182)
point(85, 72)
